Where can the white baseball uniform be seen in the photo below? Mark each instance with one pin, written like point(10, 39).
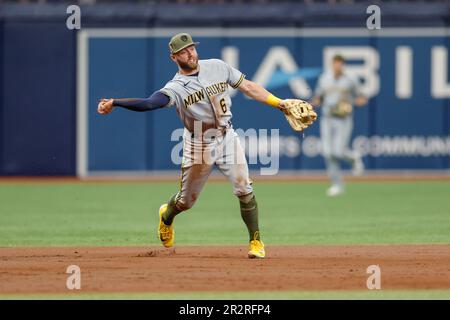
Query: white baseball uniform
point(204, 105)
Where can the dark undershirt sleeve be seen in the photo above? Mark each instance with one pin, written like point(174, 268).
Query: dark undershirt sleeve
point(155, 101)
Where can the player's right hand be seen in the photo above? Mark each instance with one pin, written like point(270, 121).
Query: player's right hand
point(105, 106)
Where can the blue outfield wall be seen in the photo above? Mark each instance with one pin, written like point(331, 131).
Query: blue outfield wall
point(38, 99)
point(404, 126)
point(394, 131)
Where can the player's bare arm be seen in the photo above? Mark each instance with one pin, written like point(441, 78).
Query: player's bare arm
point(299, 113)
point(259, 93)
point(254, 91)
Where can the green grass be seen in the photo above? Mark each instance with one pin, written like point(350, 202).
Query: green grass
point(283, 295)
point(102, 214)
point(107, 214)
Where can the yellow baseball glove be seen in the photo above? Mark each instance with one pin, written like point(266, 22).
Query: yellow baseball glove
point(300, 114)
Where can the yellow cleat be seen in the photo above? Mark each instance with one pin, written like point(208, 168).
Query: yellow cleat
point(165, 232)
point(256, 249)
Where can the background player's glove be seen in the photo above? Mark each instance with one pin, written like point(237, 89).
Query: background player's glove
point(342, 109)
point(300, 114)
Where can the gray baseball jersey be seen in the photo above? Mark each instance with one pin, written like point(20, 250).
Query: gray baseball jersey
point(334, 90)
point(335, 133)
point(204, 97)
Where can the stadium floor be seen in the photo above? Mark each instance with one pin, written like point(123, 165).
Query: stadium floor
point(317, 246)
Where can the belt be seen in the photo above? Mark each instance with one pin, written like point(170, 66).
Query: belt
point(222, 130)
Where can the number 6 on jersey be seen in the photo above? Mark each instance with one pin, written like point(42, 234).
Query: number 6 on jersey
point(223, 105)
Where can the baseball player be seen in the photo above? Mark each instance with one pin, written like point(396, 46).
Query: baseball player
point(336, 92)
point(200, 91)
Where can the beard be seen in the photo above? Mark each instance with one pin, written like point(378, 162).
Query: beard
point(189, 65)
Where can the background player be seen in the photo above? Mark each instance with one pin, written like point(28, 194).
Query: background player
point(336, 91)
point(200, 92)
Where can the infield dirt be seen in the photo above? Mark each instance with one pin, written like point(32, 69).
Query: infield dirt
point(222, 268)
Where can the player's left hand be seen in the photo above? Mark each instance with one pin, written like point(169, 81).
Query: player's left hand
point(282, 106)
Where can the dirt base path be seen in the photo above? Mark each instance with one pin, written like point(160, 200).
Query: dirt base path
point(219, 268)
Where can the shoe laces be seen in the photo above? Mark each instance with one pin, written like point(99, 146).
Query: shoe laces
point(255, 243)
point(165, 232)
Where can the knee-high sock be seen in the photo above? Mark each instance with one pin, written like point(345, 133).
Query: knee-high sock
point(172, 210)
point(249, 213)
point(334, 171)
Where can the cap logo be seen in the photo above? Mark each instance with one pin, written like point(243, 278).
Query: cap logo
point(184, 38)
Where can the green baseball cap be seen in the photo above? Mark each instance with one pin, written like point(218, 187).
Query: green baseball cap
point(181, 41)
